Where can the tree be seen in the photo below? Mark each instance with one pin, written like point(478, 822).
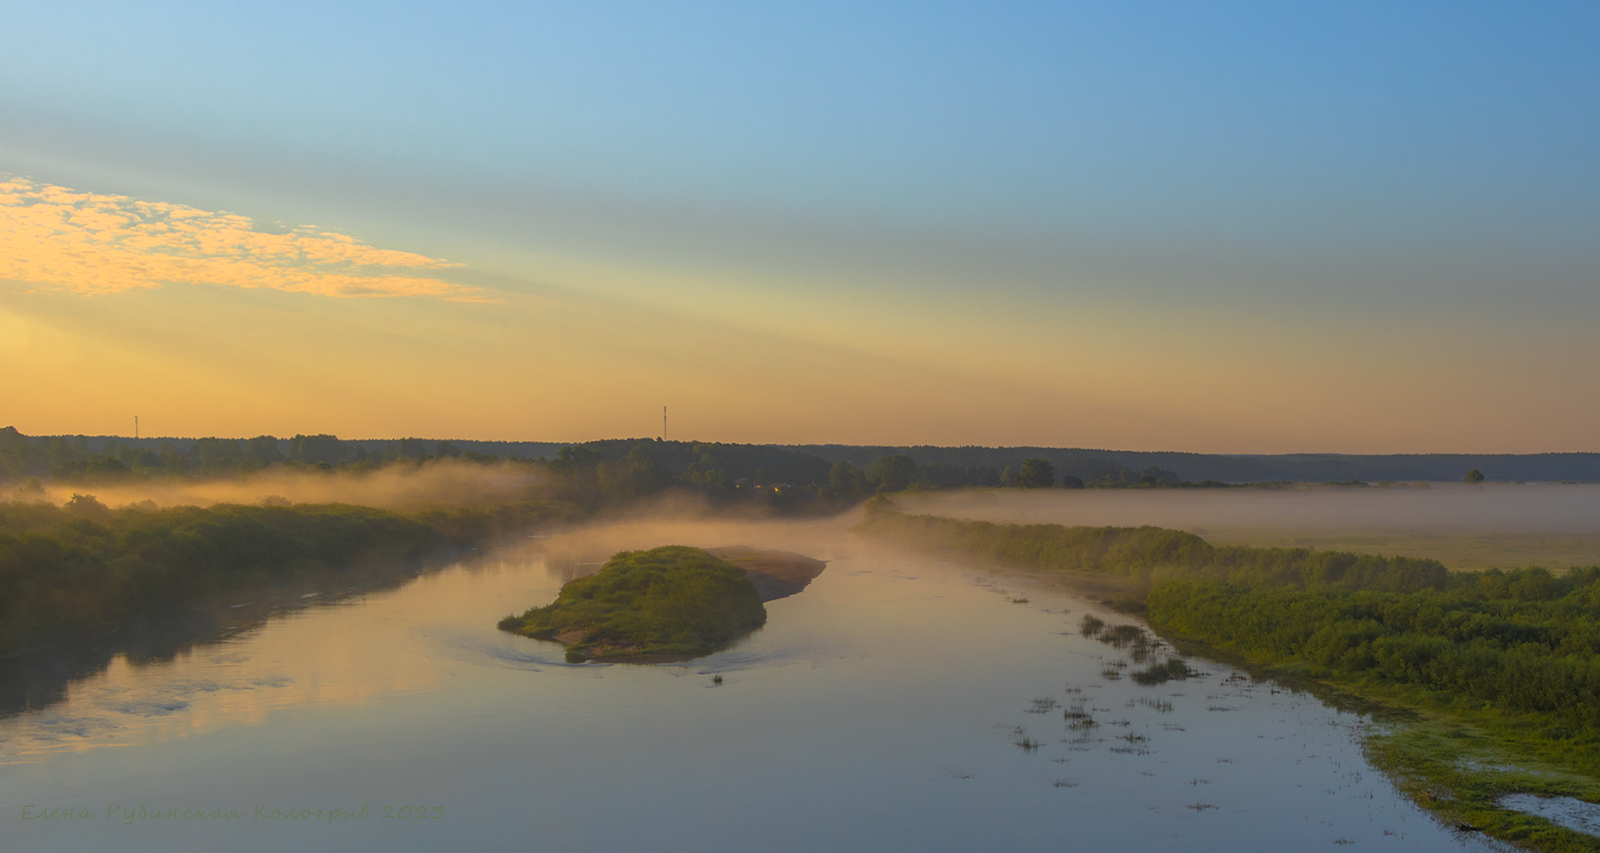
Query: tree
point(1158, 475)
point(893, 473)
point(87, 506)
point(846, 480)
point(1474, 476)
point(262, 451)
point(1036, 474)
point(314, 449)
point(217, 451)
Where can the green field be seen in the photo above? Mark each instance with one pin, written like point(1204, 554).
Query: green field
point(1459, 552)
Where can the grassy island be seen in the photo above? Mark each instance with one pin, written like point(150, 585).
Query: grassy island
point(668, 603)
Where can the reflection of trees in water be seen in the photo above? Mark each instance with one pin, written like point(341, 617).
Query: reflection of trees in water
point(37, 678)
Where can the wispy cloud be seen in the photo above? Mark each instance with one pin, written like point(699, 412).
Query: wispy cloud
point(94, 244)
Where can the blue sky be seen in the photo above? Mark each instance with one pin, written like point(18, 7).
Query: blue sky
point(1354, 170)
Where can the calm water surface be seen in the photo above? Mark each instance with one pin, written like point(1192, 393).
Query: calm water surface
point(882, 708)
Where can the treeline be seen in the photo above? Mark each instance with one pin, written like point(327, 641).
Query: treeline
point(627, 466)
point(1090, 465)
point(736, 478)
point(968, 467)
point(899, 472)
point(593, 473)
point(85, 570)
point(1150, 554)
point(71, 459)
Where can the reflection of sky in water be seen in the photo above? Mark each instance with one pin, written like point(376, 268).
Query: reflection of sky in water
point(879, 709)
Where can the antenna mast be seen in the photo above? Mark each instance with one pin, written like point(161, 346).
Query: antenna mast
point(663, 423)
point(135, 426)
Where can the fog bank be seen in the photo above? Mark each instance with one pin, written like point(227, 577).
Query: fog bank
point(1446, 508)
point(443, 481)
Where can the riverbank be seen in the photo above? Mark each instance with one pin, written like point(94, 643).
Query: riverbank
point(1491, 680)
point(84, 573)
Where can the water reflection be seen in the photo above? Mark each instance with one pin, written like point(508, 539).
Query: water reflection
point(898, 703)
point(37, 678)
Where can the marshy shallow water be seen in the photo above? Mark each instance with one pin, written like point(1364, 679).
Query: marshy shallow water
point(897, 703)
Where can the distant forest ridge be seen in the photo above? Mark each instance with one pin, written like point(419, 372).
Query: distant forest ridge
point(810, 463)
point(1090, 464)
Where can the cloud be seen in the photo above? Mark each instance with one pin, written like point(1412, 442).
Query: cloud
point(94, 244)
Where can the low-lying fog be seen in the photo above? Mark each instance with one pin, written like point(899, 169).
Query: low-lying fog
point(1436, 508)
point(1465, 527)
point(444, 481)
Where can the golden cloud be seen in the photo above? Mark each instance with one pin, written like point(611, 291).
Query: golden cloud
point(92, 244)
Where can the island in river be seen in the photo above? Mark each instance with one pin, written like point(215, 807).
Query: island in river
point(667, 604)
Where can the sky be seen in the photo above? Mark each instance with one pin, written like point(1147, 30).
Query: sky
point(1234, 227)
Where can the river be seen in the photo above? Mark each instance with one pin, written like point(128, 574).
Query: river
point(899, 702)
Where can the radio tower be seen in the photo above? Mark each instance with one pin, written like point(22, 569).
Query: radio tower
point(663, 423)
point(136, 426)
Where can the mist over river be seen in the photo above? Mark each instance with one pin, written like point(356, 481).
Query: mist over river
point(899, 702)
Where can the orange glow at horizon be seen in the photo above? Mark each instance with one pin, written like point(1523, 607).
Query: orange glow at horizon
point(205, 324)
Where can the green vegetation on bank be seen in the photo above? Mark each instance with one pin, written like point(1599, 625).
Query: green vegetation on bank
point(1522, 640)
point(669, 601)
point(1149, 554)
point(1499, 670)
point(82, 570)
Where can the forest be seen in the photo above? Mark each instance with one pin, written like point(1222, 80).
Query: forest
point(620, 467)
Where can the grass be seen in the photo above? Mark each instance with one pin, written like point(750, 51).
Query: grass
point(1488, 680)
point(1461, 552)
point(1457, 768)
point(669, 602)
point(1161, 673)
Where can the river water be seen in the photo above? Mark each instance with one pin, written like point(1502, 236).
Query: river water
point(898, 703)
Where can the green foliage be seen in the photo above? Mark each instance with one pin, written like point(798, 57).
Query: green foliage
point(671, 600)
point(1036, 474)
point(262, 451)
point(1519, 640)
point(846, 480)
point(87, 506)
point(1161, 673)
point(1503, 667)
point(317, 449)
point(893, 473)
point(92, 471)
point(1509, 660)
point(1459, 764)
point(83, 569)
point(1151, 553)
